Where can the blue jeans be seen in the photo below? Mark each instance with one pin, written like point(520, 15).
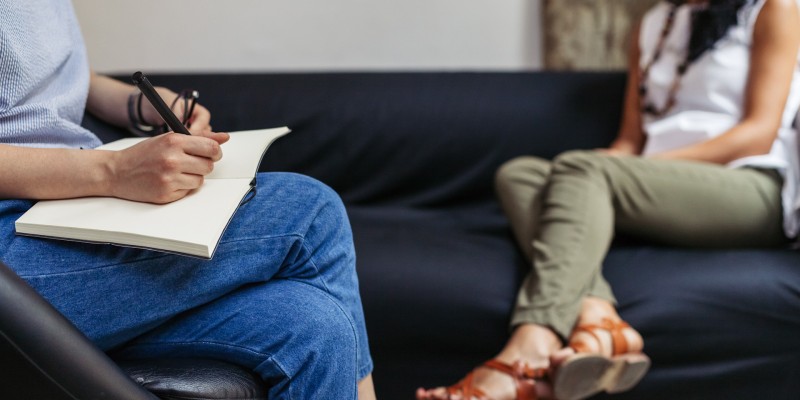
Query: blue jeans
point(280, 295)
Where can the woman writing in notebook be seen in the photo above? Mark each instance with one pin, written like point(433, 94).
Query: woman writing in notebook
point(706, 156)
point(279, 297)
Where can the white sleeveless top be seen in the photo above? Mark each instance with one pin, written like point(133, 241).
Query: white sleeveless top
point(711, 95)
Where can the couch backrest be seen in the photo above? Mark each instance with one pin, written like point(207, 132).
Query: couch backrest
point(413, 139)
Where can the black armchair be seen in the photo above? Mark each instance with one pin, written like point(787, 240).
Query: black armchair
point(43, 356)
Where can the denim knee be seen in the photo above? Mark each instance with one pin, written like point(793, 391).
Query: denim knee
point(329, 340)
point(310, 194)
point(301, 183)
point(329, 328)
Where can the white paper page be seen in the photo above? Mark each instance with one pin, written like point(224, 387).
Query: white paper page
point(240, 155)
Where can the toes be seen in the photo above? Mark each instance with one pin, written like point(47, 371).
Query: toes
point(544, 390)
point(557, 358)
point(589, 343)
point(634, 339)
point(432, 394)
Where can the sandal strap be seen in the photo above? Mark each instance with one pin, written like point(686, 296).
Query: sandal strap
point(466, 389)
point(524, 379)
point(524, 376)
point(619, 344)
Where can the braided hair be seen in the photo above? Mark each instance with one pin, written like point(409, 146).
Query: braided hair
point(710, 24)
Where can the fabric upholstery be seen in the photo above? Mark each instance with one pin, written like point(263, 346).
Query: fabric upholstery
point(414, 154)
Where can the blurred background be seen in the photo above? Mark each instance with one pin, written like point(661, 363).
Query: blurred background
point(357, 35)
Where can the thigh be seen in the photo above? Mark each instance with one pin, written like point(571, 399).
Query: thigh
point(113, 294)
point(694, 204)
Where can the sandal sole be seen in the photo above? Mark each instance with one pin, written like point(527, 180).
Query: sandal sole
point(628, 370)
point(580, 377)
point(585, 375)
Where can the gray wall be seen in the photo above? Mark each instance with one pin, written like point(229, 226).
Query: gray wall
point(311, 35)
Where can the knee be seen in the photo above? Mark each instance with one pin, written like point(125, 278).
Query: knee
point(339, 333)
point(327, 331)
point(519, 169)
point(305, 187)
point(578, 162)
point(307, 336)
point(309, 195)
point(321, 220)
point(510, 169)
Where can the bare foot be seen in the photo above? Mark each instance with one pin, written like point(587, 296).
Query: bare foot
point(593, 312)
point(531, 344)
point(608, 355)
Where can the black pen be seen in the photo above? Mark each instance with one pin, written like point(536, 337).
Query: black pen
point(149, 91)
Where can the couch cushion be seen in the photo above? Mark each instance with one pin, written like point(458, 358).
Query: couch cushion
point(438, 287)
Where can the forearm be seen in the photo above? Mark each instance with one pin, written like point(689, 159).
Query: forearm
point(630, 139)
point(745, 139)
point(32, 173)
point(108, 99)
point(624, 145)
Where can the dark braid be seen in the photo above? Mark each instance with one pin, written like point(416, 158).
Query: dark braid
point(710, 24)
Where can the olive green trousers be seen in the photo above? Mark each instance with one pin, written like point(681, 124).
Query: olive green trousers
point(564, 214)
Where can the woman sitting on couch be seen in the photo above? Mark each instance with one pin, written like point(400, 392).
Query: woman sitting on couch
point(706, 156)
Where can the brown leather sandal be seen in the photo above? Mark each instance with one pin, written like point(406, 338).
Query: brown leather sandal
point(524, 378)
point(587, 373)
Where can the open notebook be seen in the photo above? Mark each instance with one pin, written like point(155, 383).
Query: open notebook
point(192, 225)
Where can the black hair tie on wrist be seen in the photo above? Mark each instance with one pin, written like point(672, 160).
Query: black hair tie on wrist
point(137, 125)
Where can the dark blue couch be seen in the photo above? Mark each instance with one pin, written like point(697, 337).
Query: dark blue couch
point(413, 156)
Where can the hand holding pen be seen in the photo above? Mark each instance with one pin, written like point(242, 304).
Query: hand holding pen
point(158, 103)
point(167, 167)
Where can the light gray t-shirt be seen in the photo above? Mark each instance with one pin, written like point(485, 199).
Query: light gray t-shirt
point(44, 75)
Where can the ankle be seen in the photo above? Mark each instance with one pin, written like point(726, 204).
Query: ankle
point(531, 343)
point(595, 309)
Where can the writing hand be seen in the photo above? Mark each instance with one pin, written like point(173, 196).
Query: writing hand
point(219, 137)
point(200, 121)
point(164, 168)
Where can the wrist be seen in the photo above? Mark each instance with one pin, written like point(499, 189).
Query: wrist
point(137, 123)
point(623, 147)
point(106, 168)
point(92, 173)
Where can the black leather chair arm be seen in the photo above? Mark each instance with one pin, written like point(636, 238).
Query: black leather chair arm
point(31, 327)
